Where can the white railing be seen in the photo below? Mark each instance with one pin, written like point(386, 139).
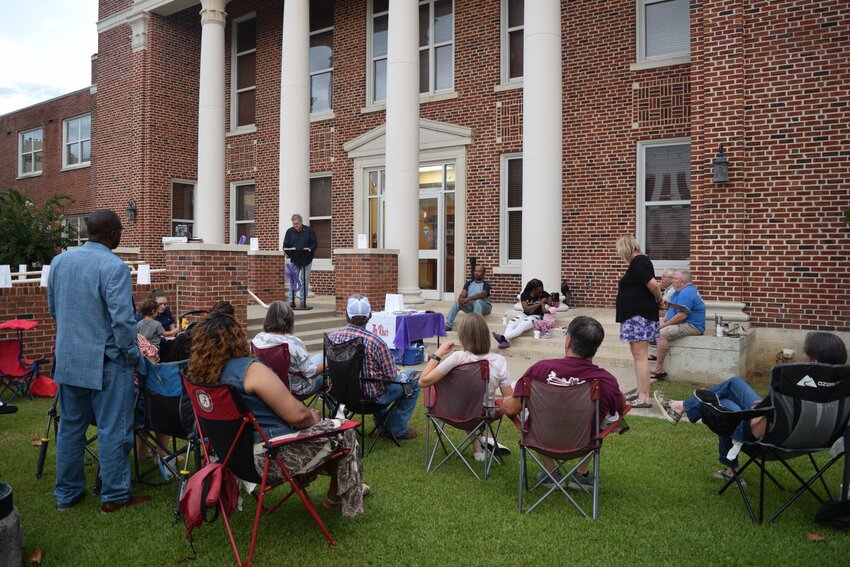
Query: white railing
point(34, 276)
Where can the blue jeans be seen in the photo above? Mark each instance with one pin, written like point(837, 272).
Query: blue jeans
point(397, 422)
point(481, 306)
point(112, 409)
point(735, 395)
point(304, 276)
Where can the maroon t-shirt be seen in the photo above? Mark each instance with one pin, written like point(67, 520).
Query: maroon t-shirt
point(611, 399)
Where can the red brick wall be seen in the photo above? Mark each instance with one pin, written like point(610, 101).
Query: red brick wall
point(76, 183)
point(265, 276)
point(373, 275)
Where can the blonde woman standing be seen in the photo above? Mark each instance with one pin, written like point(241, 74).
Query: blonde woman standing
point(638, 295)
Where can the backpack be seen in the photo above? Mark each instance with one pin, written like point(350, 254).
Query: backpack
point(212, 484)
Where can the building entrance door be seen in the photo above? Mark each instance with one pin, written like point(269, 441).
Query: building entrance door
point(436, 231)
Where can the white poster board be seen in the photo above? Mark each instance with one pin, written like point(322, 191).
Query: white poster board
point(143, 275)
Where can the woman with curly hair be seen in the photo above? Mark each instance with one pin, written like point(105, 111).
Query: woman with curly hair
point(221, 355)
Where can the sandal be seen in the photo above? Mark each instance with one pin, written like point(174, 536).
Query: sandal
point(631, 397)
point(639, 403)
point(329, 504)
point(724, 474)
point(658, 375)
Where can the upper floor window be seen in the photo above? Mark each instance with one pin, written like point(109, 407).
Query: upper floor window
point(321, 55)
point(664, 29)
point(320, 214)
point(30, 146)
point(76, 229)
point(664, 201)
point(182, 208)
point(513, 27)
point(244, 71)
point(436, 47)
point(511, 210)
point(76, 141)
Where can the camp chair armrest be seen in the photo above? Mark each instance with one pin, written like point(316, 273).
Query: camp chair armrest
point(613, 426)
point(276, 444)
point(31, 361)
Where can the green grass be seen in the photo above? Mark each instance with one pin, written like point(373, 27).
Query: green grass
point(658, 507)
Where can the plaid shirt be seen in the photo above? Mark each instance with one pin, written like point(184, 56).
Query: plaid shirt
point(378, 362)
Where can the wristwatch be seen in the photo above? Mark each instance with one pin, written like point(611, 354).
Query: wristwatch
point(435, 357)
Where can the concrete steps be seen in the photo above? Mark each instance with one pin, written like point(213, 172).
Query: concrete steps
point(310, 325)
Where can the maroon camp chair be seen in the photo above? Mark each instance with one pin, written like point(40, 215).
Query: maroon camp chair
point(562, 422)
point(224, 420)
point(278, 359)
point(461, 400)
point(16, 372)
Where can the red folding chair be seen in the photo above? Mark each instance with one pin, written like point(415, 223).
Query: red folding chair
point(17, 372)
point(278, 359)
point(563, 423)
point(223, 418)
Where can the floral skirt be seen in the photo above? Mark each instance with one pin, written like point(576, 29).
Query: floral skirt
point(307, 456)
point(638, 329)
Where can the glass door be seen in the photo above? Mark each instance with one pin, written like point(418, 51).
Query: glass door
point(436, 231)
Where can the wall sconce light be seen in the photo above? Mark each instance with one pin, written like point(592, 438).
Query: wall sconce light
point(721, 167)
point(132, 210)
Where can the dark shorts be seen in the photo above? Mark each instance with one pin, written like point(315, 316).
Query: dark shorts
point(638, 329)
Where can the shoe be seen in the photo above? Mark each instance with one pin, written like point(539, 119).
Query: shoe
point(581, 481)
point(448, 328)
point(639, 403)
point(500, 449)
point(109, 507)
point(328, 503)
point(652, 357)
point(658, 375)
point(366, 489)
point(71, 504)
point(503, 342)
point(6, 408)
point(409, 434)
point(478, 456)
point(724, 474)
point(546, 480)
point(666, 407)
point(632, 396)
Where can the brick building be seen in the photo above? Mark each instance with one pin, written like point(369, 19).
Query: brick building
point(538, 135)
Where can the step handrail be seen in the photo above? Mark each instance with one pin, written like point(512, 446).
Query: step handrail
point(257, 299)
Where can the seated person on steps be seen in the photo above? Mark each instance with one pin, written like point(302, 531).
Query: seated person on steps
point(305, 376)
point(678, 324)
point(378, 362)
point(474, 298)
point(584, 336)
point(474, 336)
point(735, 394)
point(534, 303)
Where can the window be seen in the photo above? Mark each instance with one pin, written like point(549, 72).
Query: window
point(664, 196)
point(436, 47)
point(76, 229)
point(664, 29)
point(320, 214)
point(513, 20)
point(30, 152)
point(321, 55)
point(244, 71)
point(242, 198)
point(182, 208)
point(76, 141)
point(375, 208)
point(511, 207)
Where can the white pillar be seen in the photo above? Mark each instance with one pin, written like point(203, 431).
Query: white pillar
point(402, 143)
point(209, 195)
point(542, 143)
point(294, 170)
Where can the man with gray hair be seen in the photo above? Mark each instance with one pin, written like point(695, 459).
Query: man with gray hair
point(667, 288)
point(299, 243)
point(685, 317)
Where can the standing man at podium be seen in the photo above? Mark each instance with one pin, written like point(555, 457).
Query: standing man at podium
point(300, 244)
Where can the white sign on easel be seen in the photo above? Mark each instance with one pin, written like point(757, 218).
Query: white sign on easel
point(394, 302)
point(143, 275)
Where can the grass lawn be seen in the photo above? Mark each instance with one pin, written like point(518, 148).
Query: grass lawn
point(658, 507)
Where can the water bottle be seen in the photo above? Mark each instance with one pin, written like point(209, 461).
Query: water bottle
point(505, 319)
point(718, 325)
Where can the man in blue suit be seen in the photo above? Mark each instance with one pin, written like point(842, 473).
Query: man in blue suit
point(90, 295)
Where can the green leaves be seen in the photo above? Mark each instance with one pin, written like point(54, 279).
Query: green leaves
point(30, 234)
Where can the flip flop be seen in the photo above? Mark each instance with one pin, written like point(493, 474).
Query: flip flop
point(638, 403)
point(652, 357)
point(658, 375)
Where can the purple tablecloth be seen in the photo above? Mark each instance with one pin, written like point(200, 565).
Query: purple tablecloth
point(411, 328)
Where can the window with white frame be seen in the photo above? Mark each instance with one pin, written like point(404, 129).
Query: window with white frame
point(76, 141)
point(30, 146)
point(244, 72)
point(321, 55)
point(664, 197)
point(436, 47)
point(664, 29)
point(513, 27)
point(242, 199)
point(76, 229)
point(320, 214)
point(375, 207)
point(511, 210)
point(182, 208)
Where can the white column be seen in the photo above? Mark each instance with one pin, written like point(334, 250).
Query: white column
point(294, 192)
point(402, 143)
point(542, 143)
point(209, 195)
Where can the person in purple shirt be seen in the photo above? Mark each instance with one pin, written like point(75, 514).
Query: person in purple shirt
point(584, 335)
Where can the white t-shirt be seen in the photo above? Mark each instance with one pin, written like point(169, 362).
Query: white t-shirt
point(499, 377)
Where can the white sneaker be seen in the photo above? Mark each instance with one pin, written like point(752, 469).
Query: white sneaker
point(479, 456)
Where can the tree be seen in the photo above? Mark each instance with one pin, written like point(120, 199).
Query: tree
point(31, 235)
